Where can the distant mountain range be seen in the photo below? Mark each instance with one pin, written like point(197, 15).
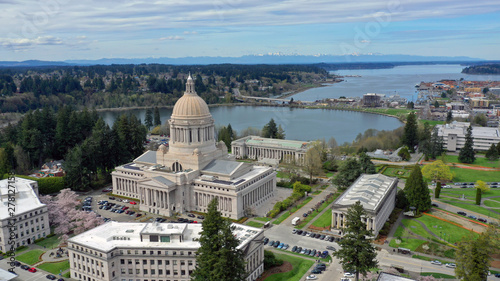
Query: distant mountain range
point(252, 59)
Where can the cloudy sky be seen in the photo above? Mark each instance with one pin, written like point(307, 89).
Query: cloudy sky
point(89, 29)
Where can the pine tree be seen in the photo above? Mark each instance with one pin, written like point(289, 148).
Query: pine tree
point(449, 117)
point(217, 258)
point(270, 130)
point(438, 190)
point(148, 120)
point(366, 164)
point(410, 134)
point(417, 192)
point(356, 253)
point(492, 153)
point(467, 154)
point(157, 120)
point(478, 196)
point(348, 173)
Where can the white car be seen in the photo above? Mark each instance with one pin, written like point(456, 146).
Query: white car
point(436, 262)
point(451, 265)
point(348, 274)
point(311, 277)
point(125, 201)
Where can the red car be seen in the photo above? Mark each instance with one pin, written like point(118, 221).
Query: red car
point(32, 270)
point(124, 208)
point(133, 202)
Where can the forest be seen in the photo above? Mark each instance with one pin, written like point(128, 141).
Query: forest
point(482, 69)
point(112, 86)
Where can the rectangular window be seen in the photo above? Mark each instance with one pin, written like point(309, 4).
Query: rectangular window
point(153, 238)
point(145, 271)
point(164, 238)
point(160, 262)
point(151, 262)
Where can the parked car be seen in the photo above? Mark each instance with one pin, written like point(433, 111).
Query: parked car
point(265, 240)
point(451, 265)
point(436, 262)
point(303, 251)
point(271, 243)
point(200, 217)
point(286, 247)
point(133, 202)
point(331, 248)
point(125, 201)
point(33, 270)
point(435, 205)
point(497, 275)
point(111, 198)
point(316, 271)
point(311, 277)
point(324, 254)
point(276, 244)
point(299, 249)
point(482, 220)
point(313, 253)
point(191, 215)
point(304, 215)
point(462, 213)
point(294, 248)
point(280, 246)
point(51, 277)
point(472, 217)
point(348, 275)
point(25, 267)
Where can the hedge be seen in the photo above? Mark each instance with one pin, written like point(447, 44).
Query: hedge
point(48, 185)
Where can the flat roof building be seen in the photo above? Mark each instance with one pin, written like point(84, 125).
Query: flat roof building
point(258, 148)
point(454, 136)
point(151, 251)
point(377, 194)
point(26, 216)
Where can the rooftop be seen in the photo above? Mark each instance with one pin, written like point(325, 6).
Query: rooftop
point(460, 128)
point(370, 190)
point(275, 143)
point(26, 198)
point(111, 235)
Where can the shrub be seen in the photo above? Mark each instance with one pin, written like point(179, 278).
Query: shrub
point(48, 185)
point(270, 260)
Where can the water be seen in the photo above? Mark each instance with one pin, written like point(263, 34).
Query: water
point(298, 123)
point(399, 80)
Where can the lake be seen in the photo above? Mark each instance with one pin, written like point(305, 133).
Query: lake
point(399, 80)
point(298, 123)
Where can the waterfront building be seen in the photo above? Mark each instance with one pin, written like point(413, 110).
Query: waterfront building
point(377, 194)
point(372, 100)
point(258, 148)
point(29, 215)
point(193, 169)
point(454, 136)
point(137, 251)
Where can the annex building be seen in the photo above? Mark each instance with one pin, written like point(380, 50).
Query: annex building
point(377, 194)
point(258, 148)
point(123, 251)
point(193, 169)
point(29, 215)
point(454, 136)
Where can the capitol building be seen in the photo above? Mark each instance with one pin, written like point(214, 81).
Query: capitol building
point(193, 169)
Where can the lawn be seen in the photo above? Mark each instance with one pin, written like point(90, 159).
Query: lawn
point(473, 208)
point(293, 210)
point(468, 175)
point(55, 268)
point(431, 122)
point(255, 224)
point(415, 227)
point(50, 243)
point(397, 172)
point(300, 268)
point(469, 192)
point(491, 203)
point(450, 232)
point(316, 212)
point(324, 220)
point(30, 257)
point(437, 275)
point(264, 219)
point(282, 175)
point(411, 244)
point(480, 161)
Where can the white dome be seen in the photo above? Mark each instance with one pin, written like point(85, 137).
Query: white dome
point(190, 105)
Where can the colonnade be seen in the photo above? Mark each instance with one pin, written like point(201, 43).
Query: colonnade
point(258, 195)
point(264, 152)
point(188, 135)
point(155, 198)
point(202, 199)
point(126, 187)
point(339, 220)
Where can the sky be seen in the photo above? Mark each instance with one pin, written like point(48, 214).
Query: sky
point(86, 29)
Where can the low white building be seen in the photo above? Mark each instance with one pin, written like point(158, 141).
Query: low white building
point(258, 148)
point(26, 213)
point(377, 194)
point(454, 136)
point(122, 251)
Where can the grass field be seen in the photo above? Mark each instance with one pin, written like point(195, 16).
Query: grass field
point(255, 224)
point(469, 192)
point(324, 220)
point(431, 122)
point(282, 175)
point(49, 243)
point(468, 175)
point(491, 203)
point(264, 219)
point(411, 244)
point(316, 212)
point(450, 232)
point(474, 208)
point(300, 267)
point(417, 228)
point(480, 161)
point(55, 268)
point(30, 257)
point(437, 275)
point(397, 172)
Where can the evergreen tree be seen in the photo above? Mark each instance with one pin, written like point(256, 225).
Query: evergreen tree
point(217, 258)
point(280, 134)
point(270, 130)
point(417, 192)
point(348, 173)
point(410, 135)
point(449, 117)
point(366, 164)
point(492, 153)
point(157, 120)
point(473, 256)
point(478, 196)
point(148, 120)
point(356, 253)
point(437, 191)
point(436, 147)
point(467, 154)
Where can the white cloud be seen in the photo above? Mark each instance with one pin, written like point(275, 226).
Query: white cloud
point(25, 43)
point(176, 37)
point(190, 32)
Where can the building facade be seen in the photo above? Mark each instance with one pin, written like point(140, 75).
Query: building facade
point(119, 251)
point(454, 136)
point(377, 194)
point(258, 148)
point(26, 212)
point(193, 169)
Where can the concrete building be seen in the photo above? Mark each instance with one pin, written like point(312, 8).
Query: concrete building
point(377, 194)
point(119, 251)
point(372, 100)
point(454, 136)
point(29, 215)
point(258, 148)
point(193, 169)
